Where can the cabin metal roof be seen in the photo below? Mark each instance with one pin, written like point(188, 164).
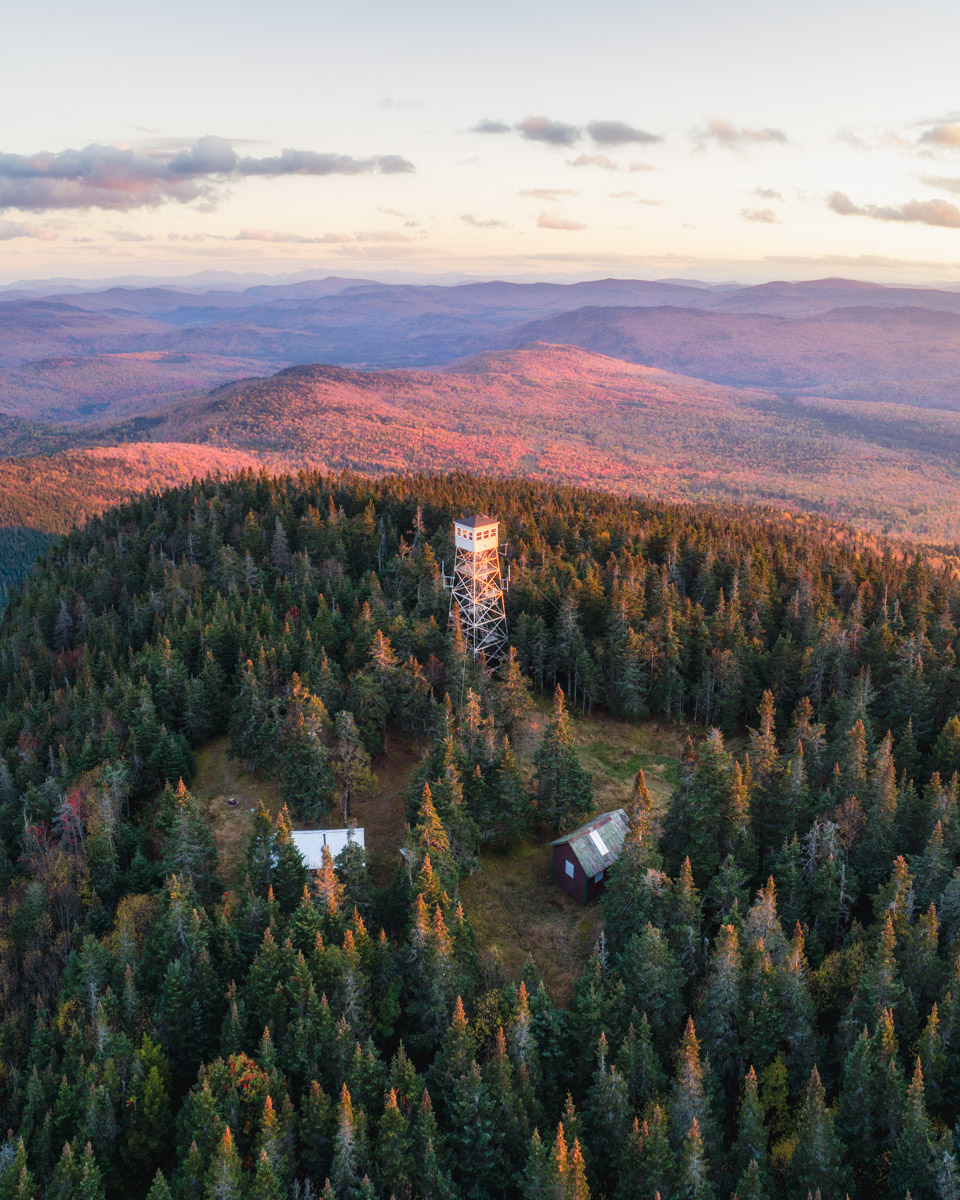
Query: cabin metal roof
point(478, 519)
point(597, 844)
point(310, 843)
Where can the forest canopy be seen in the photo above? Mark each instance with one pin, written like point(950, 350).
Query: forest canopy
point(773, 1006)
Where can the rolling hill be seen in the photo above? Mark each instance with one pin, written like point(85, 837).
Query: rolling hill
point(826, 352)
point(569, 415)
point(827, 334)
point(77, 390)
point(832, 395)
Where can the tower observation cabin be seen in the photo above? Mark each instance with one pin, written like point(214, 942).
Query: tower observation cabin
point(476, 586)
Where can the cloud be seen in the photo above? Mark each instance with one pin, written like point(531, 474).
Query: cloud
point(641, 166)
point(381, 235)
point(489, 223)
point(594, 160)
point(949, 183)
point(9, 230)
point(945, 136)
point(624, 195)
point(767, 194)
point(721, 132)
point(488, 125)
point(121, 178)
point(549, 193)
point(309, 162)
point(542, 129)
point(297, 239)
point(859, 261)
point(923, 212)
point(548, 220)
point(128, 235)
point(619, 133)
point(278, 237)
point(760, 216)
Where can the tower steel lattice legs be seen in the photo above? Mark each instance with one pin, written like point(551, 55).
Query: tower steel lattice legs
point(476, 588)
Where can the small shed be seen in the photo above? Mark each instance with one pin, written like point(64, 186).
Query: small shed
point(581, 859)
point(310, 843)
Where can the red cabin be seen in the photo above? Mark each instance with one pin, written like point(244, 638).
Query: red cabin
point(581, 859)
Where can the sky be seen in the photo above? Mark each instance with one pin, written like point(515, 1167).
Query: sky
point(741, 141)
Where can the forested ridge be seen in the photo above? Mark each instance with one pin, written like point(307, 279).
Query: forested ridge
point(774, 1007)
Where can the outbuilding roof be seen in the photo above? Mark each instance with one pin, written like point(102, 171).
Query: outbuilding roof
point(597, 844)
point(310, 843)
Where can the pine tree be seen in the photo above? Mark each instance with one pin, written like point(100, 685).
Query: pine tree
point(475, 1140)
point(684, 923)
point(305, 777)
point(719, 1012)
point(772, 823)
point(537, 1173)
point(946, 750)
point(576, 1185)
point(16, 1179)
point(265, 1185)
point(653, 982)
point(393, 1150)
point(159, 1189)
point(350, 762)
point(224, 1177)
point(660, 1167)
point(89, 1182)
point(564, 789)
point(608, 1110)
point(750, 1148)
point(694, 1181)
point(751, 1185)
point(432, 840)
point(635, 892)
point(912, 1160)
point(289, 873)
point(189, 851)
point(509, 809)
point(345, 1169)
point(639, 1064)
point(688, 1095)
point(817, 1162)
point(512, 696)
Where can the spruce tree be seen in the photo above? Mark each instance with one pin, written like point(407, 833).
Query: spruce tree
point(817, 1161)
point(564, 789)
point(912, 1162)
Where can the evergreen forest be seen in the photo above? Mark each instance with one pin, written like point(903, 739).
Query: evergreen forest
point(773, 1007)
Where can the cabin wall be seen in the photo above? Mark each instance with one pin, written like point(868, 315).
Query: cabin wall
point(595, 888)
point(576, 884)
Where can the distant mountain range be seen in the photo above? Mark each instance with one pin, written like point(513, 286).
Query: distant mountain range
point(831, 334)
point(832, 395)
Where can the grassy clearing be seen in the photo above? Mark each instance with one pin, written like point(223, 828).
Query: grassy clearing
point(517, 911)
point(218, 777)
point(513, 904)
point(382, 813)
point(613, 751)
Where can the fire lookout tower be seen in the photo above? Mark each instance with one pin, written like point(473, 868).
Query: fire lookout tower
point(476, 585)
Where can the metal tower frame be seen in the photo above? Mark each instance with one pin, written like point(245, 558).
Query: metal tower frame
point(476, 586)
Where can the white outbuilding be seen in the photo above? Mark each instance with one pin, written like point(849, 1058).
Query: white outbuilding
point(310, 843)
